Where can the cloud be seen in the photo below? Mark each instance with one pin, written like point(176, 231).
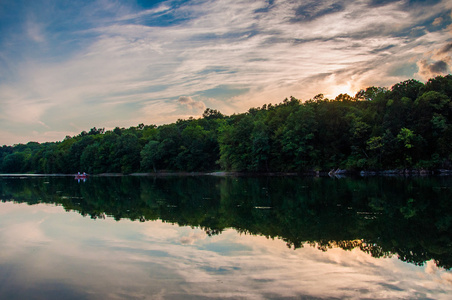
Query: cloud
point(35, 32)
point(111, 259)
point(446, 49)
point(192, 237)
point(431, 268)
point(18, 107)
point(437, 21)
point(112, 60)
point(377, 3)
point(313, 10)
point(189, 102)
point(441, 276)
point(428, 70)
point(436, 62)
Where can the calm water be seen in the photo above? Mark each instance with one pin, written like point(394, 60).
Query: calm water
point(225, 237)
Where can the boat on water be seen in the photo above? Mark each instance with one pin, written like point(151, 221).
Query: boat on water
point(81, 176)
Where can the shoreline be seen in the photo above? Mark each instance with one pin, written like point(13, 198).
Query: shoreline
point(338, 173)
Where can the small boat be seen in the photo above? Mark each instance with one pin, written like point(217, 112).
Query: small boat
point(81, 176)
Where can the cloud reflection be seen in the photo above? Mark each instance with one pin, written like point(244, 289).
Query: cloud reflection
point(125, 259)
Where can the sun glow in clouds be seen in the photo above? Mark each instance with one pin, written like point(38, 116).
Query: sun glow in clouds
point(341, 89)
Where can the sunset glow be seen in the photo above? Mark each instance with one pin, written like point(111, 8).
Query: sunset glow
point(341, 89)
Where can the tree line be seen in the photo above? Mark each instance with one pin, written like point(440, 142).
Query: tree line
point(407, 126)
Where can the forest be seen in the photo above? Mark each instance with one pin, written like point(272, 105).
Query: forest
point(405, 127)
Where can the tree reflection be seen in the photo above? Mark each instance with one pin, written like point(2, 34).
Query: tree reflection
point(383, 216)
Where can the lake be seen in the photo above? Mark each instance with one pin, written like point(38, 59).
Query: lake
point(213, 237)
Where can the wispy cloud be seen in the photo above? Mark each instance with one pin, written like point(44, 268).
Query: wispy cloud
point(34, 32)
point(115, 55)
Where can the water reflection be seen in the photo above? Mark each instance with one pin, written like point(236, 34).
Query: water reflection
point(56, 252)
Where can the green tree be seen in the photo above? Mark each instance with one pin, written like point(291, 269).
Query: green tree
point(150, 156)
point(260, 151)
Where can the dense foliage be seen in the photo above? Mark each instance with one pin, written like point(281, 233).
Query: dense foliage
point(406, 126)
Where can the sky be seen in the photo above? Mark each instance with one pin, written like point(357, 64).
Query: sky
point(67, 66)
